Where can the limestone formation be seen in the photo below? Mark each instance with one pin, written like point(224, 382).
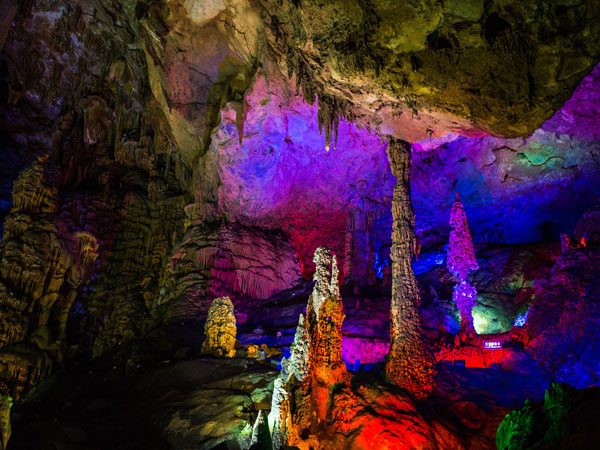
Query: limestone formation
point(42, 267)
point(5, 427)
point(302, 393)
point(409, 363)
point(261, 436)
point(324, 323)
point(217, 259)
point(386, 63)
point(461, 259)
point(297, 364)
point(220, 328)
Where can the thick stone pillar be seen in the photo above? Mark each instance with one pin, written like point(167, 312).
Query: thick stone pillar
point(409, 364)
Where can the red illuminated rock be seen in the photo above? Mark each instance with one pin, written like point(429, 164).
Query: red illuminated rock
point(315, 365)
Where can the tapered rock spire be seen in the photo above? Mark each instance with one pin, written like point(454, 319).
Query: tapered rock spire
point(409, 364)
point(302, 392)
point(461, 259)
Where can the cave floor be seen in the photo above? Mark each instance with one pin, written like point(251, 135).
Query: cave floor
point(157, 394)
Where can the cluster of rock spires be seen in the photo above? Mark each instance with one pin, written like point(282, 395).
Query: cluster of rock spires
point(302, 393)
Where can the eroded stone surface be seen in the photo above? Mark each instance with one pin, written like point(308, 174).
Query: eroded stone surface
point(409, 363)
point(220, 328)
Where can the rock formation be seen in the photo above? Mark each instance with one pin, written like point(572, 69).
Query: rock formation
point(261, 436)
point(157, 154)
point(371, 60)
point(217, 259)
point(461, 259)
point(5, 427)
point(409, 363)
point(220, 328)
point(42, 267)
point(565, 311)
point(302, 393)
point(549, 423)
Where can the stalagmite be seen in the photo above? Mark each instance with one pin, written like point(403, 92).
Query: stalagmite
point(325, 317)
point(461, 259)
point(315, 364)
point(5, 428)
point(409, 364)
point(220, 328)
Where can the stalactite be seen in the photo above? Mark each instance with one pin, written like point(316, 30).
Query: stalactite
point(409, 364)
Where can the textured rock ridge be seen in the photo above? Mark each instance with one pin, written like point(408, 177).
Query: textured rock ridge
point(409, 363)
point(220, 328)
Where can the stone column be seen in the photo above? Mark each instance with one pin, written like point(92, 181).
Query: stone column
point(409, 364)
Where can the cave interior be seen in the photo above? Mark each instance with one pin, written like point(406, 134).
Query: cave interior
point(299, 224)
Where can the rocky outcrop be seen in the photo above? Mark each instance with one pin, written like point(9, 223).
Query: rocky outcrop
point(409, 363)
point(220, 328)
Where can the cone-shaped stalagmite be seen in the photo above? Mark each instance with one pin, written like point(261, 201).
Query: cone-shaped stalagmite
point(461, 259)
point(409, 364)
point(5, 406)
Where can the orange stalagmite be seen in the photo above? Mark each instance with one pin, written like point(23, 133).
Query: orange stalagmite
point(315, 364)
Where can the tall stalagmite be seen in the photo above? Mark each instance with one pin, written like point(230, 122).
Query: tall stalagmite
point(302, 393)
point(461, 259)
point(409, 364)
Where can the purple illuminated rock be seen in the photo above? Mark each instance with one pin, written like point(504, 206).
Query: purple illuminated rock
point(461, 260)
